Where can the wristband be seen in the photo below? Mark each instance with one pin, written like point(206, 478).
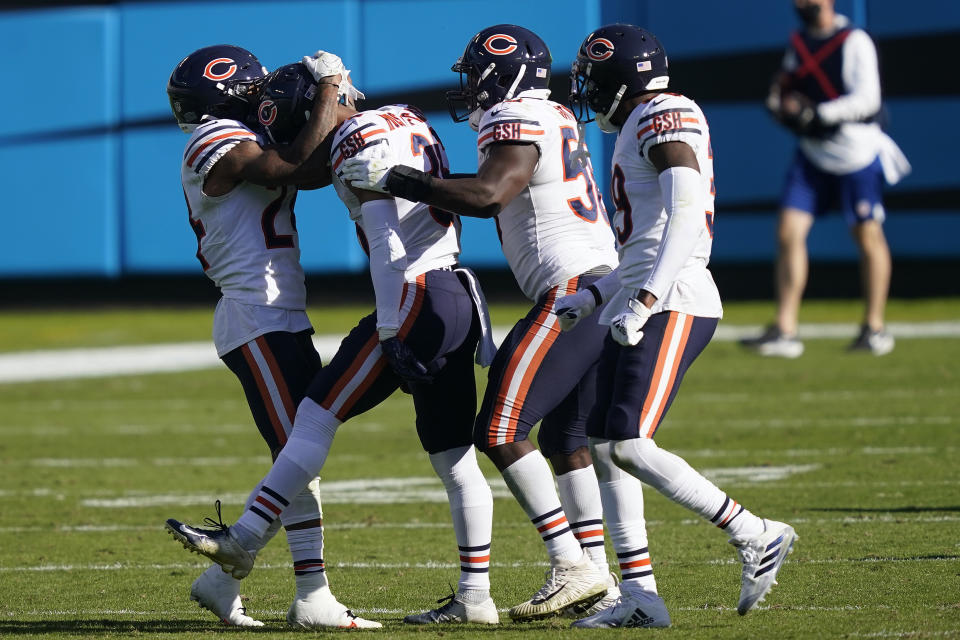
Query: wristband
point(409, 183)
point(597, 298)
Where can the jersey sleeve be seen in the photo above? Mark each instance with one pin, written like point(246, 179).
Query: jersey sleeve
point(358, 136)
point(675, 119)
point(510, 121)
point(211, 141)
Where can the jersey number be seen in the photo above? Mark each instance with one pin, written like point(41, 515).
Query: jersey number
point(622, 203)
point(434, 151)
point(572, 170)
point(268, 222)
point(198, 231)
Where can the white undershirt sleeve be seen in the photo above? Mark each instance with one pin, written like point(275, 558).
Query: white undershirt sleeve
point(682, 192)
point(388, 260)
point(861, 79)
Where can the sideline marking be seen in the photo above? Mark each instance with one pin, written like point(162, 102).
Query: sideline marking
point(62, 364)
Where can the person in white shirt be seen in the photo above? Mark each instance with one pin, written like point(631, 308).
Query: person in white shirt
point(828, 94)
point(240, 189)
point(662, 310)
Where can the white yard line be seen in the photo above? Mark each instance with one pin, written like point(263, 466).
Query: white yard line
point(184, 356)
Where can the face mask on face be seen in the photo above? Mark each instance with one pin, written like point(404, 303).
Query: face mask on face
point(809, 14)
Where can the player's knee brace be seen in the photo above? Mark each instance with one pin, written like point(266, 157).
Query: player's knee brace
point(313, 431)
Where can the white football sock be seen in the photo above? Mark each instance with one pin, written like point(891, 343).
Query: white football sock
point(299, 462)
point(580, 497)
point(622, 497)
point(531, 483)
point(306, 545)
point(471, 507)
point(673, 477)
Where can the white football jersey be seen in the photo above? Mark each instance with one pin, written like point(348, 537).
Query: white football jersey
point(247, 238)
point(430, 236)
point(247, 242)
point(640, 217)
point(556, 228)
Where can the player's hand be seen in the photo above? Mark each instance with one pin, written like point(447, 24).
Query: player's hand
point(323, 64)
point(404, 362)
point(570, 309)
point(368, 172)
point(626, 328)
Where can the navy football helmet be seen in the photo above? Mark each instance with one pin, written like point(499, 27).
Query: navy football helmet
point(286, 100)
point(615, 63)
point(217, 81)
point(498, 63)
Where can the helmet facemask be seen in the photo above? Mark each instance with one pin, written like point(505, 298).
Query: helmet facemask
point(465, 104)
point(586, 96)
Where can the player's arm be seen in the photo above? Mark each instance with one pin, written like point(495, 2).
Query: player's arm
point(505, 172)
point(388, 264)
point(302, 161)
point(861, 75)
point(682, 192)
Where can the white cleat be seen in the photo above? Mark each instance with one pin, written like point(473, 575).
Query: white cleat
point(458, 611)
point(219, 593)
point(321, 610)
point(607, 601)
point(215, 543)
point(567, 584)
point(762, 556)
point(774, 343)
point(630, 610)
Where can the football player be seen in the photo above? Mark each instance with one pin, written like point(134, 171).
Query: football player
point(662, 310)
point(429, 322)
point(536, 181)
point(240, 192)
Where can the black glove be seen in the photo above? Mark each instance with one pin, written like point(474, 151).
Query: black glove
point(403, 361)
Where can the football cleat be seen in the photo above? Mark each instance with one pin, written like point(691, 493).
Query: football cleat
point(762, 556)
point(775, 343)
point(607, 601)
point(457, 610)
point(879, 343)
point(219, 593)
point(629, 610)
point(567, 584)
point(214, 542)
point(322, 610)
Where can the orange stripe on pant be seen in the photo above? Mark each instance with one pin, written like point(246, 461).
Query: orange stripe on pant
point(512, 414)
point(278, 379)
point(264, 394)
point(377, 368)
point(655, 402)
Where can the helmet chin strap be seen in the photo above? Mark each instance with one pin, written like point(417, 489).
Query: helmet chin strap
point(516, 82)
point(603, 119)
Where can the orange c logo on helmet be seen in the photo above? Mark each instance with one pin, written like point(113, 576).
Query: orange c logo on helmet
point(489, 45)
point(209, 73)
point(267, 112)
point(599, 49)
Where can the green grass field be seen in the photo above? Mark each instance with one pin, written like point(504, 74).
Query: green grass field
point(861, 454)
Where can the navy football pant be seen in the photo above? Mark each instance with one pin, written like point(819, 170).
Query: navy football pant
point(636, 385)
point(441, 326)
point(275, 370)
point(542, 373)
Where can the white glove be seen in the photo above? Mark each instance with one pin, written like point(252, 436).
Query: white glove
point(570, 309)
point(323, 65)
point(368, 172)
point(626, 327)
